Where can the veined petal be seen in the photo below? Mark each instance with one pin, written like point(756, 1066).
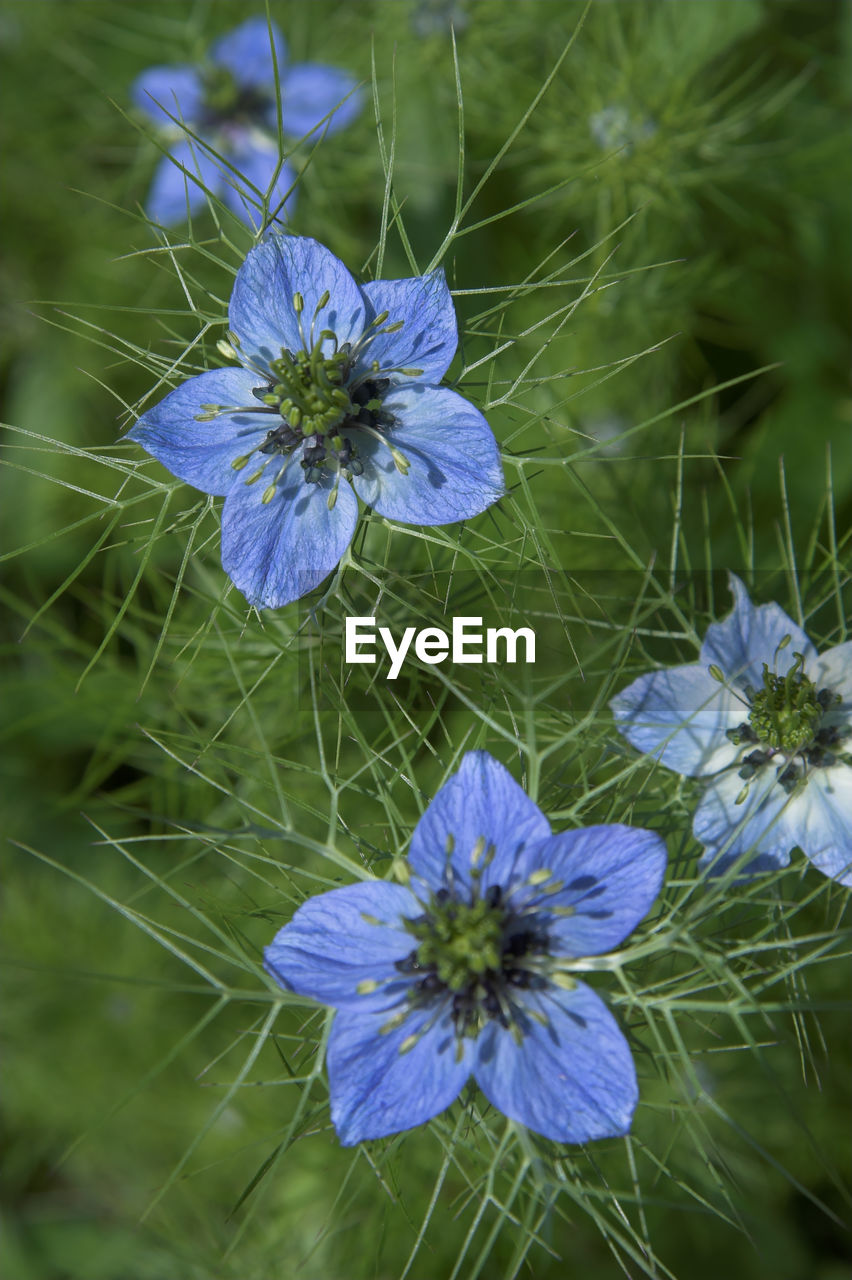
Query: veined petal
point(167, 94)
point(247, 53)
point(750, 636)
point(309, 91)
point(610, 875)
point(378, 1087)
point(181, 182)
point(480, 805)
point(429, 336)
point(276, 552)
point(819, 820)
point(571, 1079)
point(343, 938)
point(261, 309)
point(201, 453)
point(454, 470)
point(680, 715)
point(833, 670)
point(756, 825)
point(257, 165)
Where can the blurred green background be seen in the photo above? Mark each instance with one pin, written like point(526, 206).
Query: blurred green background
point(691, 159)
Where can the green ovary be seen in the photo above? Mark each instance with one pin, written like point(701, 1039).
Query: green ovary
point(221, 91)
point(786, 712)
point(309, 391)
point(460, 942)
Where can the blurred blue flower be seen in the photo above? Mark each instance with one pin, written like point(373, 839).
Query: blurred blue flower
point(230, 103)
point(325, 404)
point(467, 969)
point(769, 721)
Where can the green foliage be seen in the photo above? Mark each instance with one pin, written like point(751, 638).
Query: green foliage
point(654, 326)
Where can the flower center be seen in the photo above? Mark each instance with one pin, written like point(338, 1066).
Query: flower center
point(478, 954)
point(310, 393)
point(317, 399)
point(786, 720)
point(224, 100)
point(785, 713)
point(459, 941)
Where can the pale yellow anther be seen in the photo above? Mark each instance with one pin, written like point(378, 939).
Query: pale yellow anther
point(399, 461)
point(393, 1023)
point(540, 876)
point(563, 980)
point(367, 986)
point(402, 871)
point(226, 349)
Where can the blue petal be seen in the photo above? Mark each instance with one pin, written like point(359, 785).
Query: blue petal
point(247, 53)
point(278, 551)
point(480, 803)
point(833, 670)
point(309, 91)
point(181, 182)
point(750, 636)
point(339, 939)
point(429, 336)
point(257, 165)
point(572, 1079)
point(756, 825)
point(680, 715)
point(819, 821)
point(261, 309)
point(376, 1088)
point(454, 464)
point(169, 93)
point(201, 453)
point(610, 875)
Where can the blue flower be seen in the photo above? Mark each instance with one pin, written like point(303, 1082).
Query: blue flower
point(467, 969)
point(768, 721)
point(230, 104)
point(326, 403)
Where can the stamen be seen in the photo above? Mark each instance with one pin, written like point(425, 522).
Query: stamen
point(323, 302)
point(393, 1023)
point(563, 980)
point(400, 461)
point(227, 349)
